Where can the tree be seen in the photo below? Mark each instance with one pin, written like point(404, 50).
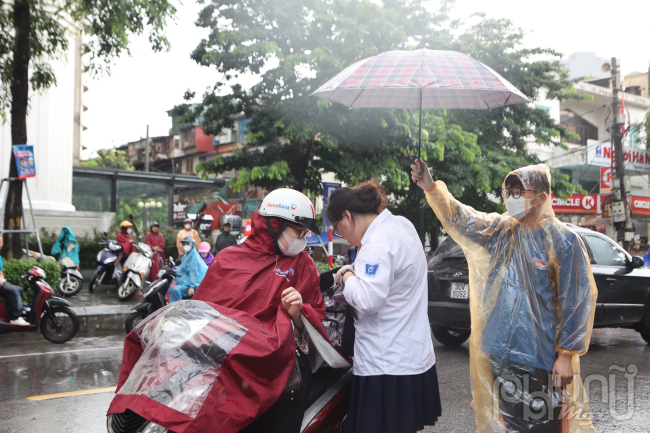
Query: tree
point(109, 159)
point(297, 45)
point(34, 32)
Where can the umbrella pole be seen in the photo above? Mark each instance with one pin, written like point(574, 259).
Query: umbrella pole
point(421, 192)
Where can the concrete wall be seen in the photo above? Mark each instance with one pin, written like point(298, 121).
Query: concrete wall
point(80, 222)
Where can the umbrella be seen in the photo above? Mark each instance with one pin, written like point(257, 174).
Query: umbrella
point(422, 79)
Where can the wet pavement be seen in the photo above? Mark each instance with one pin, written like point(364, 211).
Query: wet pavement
point(30, 366)
point(104, 295)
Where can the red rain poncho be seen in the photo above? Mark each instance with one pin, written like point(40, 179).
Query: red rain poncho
point(155, 240)
point(245, 284)
point(126, 241)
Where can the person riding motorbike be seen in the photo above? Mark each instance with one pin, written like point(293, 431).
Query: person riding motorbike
point(13, 297)
point(155, 240)
point(66, 245)
point(224, 240)
point(272, 277)
point(187, 230)
point(125, 239)
point(204, 251)
point(191, 272)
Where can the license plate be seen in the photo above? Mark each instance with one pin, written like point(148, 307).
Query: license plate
point(459, 291)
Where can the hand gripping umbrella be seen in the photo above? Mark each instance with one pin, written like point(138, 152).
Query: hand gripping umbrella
point(428, 79)
point(424, 79)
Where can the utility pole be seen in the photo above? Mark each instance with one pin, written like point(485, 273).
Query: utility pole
point(620, 209)
point(146, 151)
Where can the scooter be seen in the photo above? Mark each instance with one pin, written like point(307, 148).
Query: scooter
point(106, 272)
point(71, 278)
point(58, 323)
point(154, 299)
point(136, 271)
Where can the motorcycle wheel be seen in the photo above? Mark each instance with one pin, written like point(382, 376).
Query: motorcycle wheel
point(93, 283)
point(70, 289)
point(68, 325)
point(126, 290)
point(134, 320)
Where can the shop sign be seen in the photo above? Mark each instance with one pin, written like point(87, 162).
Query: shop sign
point(606, 180)
point(601, 155)
point(577, 203)
point(640, 205)
point(24, 155)
point(180, 211)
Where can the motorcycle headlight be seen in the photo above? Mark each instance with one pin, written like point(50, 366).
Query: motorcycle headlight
point(154, 428)
point(111, 259)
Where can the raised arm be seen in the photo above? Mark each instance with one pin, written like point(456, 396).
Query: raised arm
point(463, 223)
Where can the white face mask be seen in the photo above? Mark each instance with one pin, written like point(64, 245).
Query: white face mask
point(518, 207)
point(296, 246)
point(188, 226)
point(187, 248)
point(128, 231)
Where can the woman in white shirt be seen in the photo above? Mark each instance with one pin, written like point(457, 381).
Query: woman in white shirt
point(395, 384)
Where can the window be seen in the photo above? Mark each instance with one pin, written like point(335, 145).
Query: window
point(580, 126)
point(606, 253)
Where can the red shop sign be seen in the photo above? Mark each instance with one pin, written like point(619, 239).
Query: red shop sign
point(640, 205)
point(577, 203)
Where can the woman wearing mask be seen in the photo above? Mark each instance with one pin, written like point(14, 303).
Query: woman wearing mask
point(187, 230)
point(204, 251)
point(155, 240)
point(395, 384)
point(271, 277)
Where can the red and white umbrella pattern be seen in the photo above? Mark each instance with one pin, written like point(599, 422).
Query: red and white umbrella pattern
point(444, 79)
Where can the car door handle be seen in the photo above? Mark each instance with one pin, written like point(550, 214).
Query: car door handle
point(612, 279)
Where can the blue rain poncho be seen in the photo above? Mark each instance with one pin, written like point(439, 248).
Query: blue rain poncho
point(532, 296)
point(66, 246)
point(191, 271)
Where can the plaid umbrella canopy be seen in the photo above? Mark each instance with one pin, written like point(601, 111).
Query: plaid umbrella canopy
point(424, 79)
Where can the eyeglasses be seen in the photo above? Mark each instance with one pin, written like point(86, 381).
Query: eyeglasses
point(302, 234)
point(335, 230)
point(515, 192)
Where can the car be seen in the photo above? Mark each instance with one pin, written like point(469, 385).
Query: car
point(622, 280)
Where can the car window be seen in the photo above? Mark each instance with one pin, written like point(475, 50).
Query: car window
point(606, 253)
point(448, 249)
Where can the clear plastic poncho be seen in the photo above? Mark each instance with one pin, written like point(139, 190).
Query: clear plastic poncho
point(532, 296)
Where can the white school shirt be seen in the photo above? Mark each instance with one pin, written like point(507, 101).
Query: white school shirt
point(389, 294)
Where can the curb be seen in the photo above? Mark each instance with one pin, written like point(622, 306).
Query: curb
point(102, 318)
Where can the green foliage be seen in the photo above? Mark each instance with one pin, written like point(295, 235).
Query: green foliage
point(107, 27)
point(14, 270)
point(109, 159)
point(324, 267)
point(311, 41)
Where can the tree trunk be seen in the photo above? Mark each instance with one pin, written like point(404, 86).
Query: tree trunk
point(19, 103)
point(303, 154)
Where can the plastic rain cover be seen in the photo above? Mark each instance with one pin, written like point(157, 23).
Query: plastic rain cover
point(532, 296)
point(184, 346)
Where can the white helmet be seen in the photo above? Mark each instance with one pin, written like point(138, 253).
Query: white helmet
point(290, 205)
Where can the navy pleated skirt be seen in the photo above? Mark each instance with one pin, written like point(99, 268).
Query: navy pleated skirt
point(394, 404)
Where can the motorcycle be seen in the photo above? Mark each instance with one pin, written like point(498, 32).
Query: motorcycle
point(71, 278)
point(106, 258)
point(154, 299)
point(58, 323)
point(136, 271)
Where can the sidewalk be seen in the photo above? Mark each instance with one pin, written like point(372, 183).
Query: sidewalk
point(101, 311)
